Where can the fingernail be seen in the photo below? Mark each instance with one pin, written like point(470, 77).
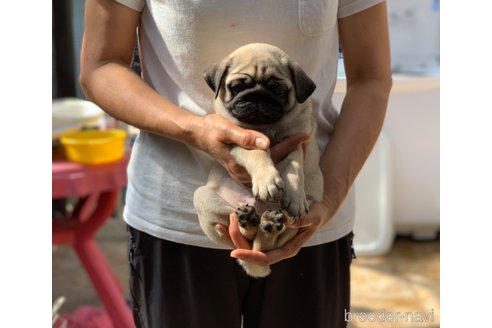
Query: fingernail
point(260, 143)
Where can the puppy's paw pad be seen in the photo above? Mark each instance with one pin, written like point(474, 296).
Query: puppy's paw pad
point(272, 221)
point(247, 216)
point(267, 227)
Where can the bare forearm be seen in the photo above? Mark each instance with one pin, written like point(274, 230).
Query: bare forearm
point(365, 45)
point(353, 138)
point(108, 81)
point(126, 97)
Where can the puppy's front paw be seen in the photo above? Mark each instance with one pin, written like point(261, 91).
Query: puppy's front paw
point(295, 204)
point(268, 185)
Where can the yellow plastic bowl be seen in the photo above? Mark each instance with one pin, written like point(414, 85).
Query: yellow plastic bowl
point(94, 146)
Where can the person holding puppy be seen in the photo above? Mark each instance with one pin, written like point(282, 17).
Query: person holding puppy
point(178, 276)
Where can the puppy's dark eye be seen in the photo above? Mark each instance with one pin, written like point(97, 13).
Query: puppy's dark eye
point(276, 87)
point(237, 86)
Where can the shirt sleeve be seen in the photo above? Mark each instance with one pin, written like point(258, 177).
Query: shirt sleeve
point(137, 5)
point(350, 7)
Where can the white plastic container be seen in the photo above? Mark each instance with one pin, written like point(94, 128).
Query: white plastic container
point(374, 224)
point(374, 228)
point(412, 124)
point(71, 114)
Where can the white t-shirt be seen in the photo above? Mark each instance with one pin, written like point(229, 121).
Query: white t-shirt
point(179, 40)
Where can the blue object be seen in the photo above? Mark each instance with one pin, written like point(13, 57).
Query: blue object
point(436, 5)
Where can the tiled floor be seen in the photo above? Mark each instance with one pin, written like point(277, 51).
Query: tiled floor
point(399, 289)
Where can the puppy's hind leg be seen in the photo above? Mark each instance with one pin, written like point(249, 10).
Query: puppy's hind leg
point(212, 210)
point(271, 234)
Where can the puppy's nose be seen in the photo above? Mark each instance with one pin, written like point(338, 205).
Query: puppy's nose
point(256, 89)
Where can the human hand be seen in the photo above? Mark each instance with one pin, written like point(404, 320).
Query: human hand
point(279, 151)
point(215, 135)
point(319, 215)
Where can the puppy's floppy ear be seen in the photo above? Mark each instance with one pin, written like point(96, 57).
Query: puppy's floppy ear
point(214, 76)
point(303, 84)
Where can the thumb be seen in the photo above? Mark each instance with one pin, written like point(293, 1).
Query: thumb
point(298, 223)
point(303, 222)
point(249, 139)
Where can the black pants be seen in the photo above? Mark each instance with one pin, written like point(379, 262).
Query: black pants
point(174, 285)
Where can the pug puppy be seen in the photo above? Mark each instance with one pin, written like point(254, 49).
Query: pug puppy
point(259, 87)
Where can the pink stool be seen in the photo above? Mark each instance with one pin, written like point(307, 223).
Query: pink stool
point(97, 188)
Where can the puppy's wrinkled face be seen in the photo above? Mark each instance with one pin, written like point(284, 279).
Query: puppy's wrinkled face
point(258, 84)
point(257, 93)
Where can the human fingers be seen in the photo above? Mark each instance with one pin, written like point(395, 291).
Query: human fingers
point(286, 146)
point(305, 146)
point(303, 222)
point(237, 172)
point(217, 136)
point(248, 139)
point(319, 214)
point(288, 250)
point(235, 234)
point(251, 256)
point(292, 247)
point(229, 133)
point(224, 231)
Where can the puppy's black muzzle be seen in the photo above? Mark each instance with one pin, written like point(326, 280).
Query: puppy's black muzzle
point(256, 107)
